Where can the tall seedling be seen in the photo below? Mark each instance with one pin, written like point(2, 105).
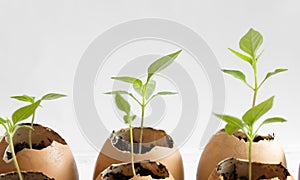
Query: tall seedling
point(31, 100)
point(249, 44)
point(146, 90)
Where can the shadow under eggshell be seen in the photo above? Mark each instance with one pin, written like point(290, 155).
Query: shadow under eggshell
point(55, 160)
point(160, 152)
point(222, 146)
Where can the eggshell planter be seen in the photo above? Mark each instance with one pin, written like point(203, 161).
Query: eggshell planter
point(145, 170)
point(25, 175)
point(157, 146)
point(265, 149)
point(233, 169)
point(53, 156)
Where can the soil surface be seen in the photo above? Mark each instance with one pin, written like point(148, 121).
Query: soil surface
point(20, 146)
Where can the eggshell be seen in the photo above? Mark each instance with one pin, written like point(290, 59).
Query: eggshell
point(55, 160)
point(125, 169)
point(233, 168)
point(222, 146)
point(162, 150)
point(25, 175)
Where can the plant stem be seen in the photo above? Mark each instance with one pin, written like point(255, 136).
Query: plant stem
point(142, 128)
point(131, 148)
point(250, 159)
point(11, 147)
point(255, 83)
point(30, 131)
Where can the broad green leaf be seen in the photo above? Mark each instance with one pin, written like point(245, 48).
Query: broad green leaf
point(253, 114)
point(115, 92)
point(24, 98)
point(24, 112)
point(273, 120)
point(276, 71)
point(237, 74)
point(161, 63)
point(126, 79)
point(52, 96)
point(122, 104)
point(2, 121)
point(230, 129)
point(233, 121)
point(251, 42)
point(242, 56)
point(150, 88)
point(138, 86)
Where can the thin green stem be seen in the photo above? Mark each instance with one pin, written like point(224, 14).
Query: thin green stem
point(131, 148)
point(255, 83)
point(30, 131)
point(11, 147)
point(142, 128)
point(133, 97)
point(250, 159)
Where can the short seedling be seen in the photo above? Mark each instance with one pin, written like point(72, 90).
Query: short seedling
point(250, 43)
point(31, 100)
point(11, 126)
point(124, 106)
point(146, 90)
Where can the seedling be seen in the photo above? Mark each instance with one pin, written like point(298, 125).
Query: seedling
point(146, 90)
point(124, 106)
point(249, 44)
point(31, 100)
point(11, 126)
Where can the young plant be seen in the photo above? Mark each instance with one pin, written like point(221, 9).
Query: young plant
point(249, 44)
point(124, 106)
point(11, 126)
point(145, 90)
point(31, 100)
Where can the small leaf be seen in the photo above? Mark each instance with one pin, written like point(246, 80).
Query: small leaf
point(251, 42)
point(233, 121)
point(128, 119)
point(52, 96)
point(115, 92)
point(126, 79)
point(2, 121)
point(237, 74)
point(161, 64)
point(259, 55)
point(24, 112)
point(122, 104)
point(273, 120)
point(24, 98)
point(138, 86)
point(253, 114)
point(242, 56)
point(166, 93)
point(230, 129)
point(276, 71)
point(150, 88)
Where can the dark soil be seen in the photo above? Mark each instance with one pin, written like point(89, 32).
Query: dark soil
point(20, 146)
point(242, 136)
point(26, 176)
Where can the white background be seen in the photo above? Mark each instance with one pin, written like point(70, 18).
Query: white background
point(41, 43)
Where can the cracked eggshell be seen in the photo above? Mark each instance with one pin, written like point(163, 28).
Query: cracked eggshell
point(233, 168)
point(55, 160)
point(25, 175)
point(161, 149)
point(222, 146)
point(155, 168)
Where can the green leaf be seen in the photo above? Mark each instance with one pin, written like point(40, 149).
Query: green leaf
point(259, 55)
point(52, 96)
point(2, 121)
point(161, 64)
point(138, 86)
point(24, 98)
point(122, 104)
point(242, 56)
point(115, 92)
point(237, 74)
point(251, 42)
point(253, 114)
point(166, 93)
point(24, 112)
point(150, 88)
point(126, 79)
point(273, 120)
point(230, 129)
point(233, 121)
point(128, 119)
point(276, 71)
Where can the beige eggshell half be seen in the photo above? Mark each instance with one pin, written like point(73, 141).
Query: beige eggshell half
point(126, 169)
point(25, 175)
point(55, 161)
point(234, 168)
point(222, 146)
point(161, 152)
